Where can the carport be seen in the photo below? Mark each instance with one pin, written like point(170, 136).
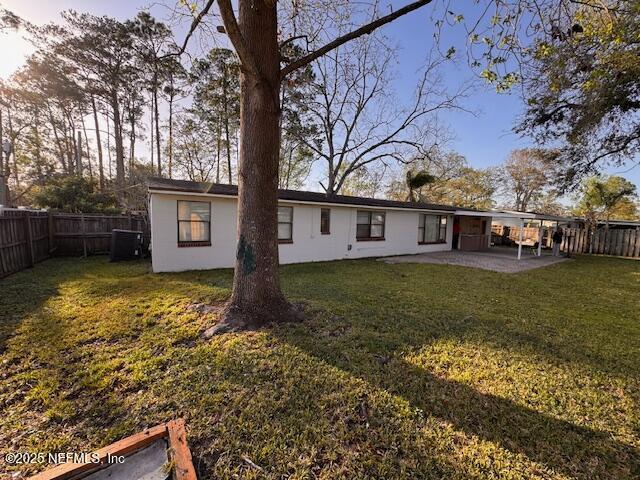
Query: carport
point(470, 238)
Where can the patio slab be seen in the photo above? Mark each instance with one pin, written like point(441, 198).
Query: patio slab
point(497, 259)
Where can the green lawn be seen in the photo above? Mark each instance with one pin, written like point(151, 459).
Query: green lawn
point(401, 371)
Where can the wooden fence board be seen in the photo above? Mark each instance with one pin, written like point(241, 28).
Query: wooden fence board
point(615, 242)
point(28, 237)
point(630, 243)
point(625, 243)
point(603, 238)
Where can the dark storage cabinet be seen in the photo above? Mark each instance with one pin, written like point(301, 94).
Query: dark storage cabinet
point(126, 245)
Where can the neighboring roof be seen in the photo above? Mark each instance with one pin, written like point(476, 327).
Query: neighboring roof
point(631, 223)
point(165, 184)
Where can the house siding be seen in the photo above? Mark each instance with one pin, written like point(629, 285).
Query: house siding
point(309, 245)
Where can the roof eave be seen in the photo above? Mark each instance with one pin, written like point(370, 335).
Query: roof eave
point(427, 208)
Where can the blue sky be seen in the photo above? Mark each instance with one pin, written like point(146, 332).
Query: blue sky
point(485, 139)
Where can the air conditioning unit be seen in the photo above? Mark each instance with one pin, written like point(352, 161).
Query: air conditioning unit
point(126, 245)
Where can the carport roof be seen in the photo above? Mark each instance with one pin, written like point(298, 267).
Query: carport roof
point(511, 214)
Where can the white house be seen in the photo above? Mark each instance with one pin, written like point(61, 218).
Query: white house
point(193, 226)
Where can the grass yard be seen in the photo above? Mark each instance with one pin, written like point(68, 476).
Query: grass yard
point(402, 371)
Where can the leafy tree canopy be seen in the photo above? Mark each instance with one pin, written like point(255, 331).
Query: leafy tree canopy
point(584, 88)
point(607, 198)
point(9, 20)
point(417, 180)
point(74, 195)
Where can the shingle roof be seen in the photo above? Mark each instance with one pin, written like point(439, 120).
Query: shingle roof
point(165, 184)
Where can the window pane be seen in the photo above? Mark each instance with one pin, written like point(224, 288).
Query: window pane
point(325, 219)
point(362, 231)
point(432, 228)
point(285, 214)
point(184, 231)
point(421, 221)
point(421, 234)
point(377, 218)
point(363, 218)
point(194, 211)
point(284, 231)
point(443, 233)
point(376, 231)
point(193, 231)
point(443, 229)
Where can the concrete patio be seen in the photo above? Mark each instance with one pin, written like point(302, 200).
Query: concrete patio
point(498, 259)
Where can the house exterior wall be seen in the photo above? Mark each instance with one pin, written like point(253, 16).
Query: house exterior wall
point(309, 245)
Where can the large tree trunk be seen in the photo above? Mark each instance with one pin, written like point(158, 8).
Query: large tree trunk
point(98, 144)
point(256, 298)
point(67, 146)
point(117, 133)
point(218, 139)
point(170, 145)
point(79, 154)
point(12, 139)
point(157, 122)
point(109, 147)
point(151, 145)
point(87, 149)
point(1, 150)
point(61, 155)
point(226, 126)
point(38, 149)
point(132, 141)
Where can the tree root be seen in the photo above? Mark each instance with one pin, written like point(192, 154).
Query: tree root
point(234, 318)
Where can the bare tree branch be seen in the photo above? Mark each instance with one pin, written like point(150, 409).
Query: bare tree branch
point(247, 61)
point(370, 27)
point(194, 24)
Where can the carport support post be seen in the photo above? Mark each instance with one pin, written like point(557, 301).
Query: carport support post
point(520, 236)
point(540, 233)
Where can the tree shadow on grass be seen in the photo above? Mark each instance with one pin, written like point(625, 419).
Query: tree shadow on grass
point(24, 293)
point(568, 449)
point(51, 374)
point(49, 387)
point(565, 315)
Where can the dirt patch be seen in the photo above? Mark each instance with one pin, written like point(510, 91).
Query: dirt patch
point(205, 308)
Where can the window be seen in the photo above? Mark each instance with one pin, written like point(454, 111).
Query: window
point(432, 229)
point(285, 224)
point(194, 224)
point(325, 221)
point(370, 225)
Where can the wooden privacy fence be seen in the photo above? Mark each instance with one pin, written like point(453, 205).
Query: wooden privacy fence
point(618, 242)
point(28, 237)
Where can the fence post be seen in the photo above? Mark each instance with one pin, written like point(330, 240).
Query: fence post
point(50, 231)
point(29, 238)
point(84, 236)
point(4, 270)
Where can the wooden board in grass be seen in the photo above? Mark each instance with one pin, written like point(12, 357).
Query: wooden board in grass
point(158, 453)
